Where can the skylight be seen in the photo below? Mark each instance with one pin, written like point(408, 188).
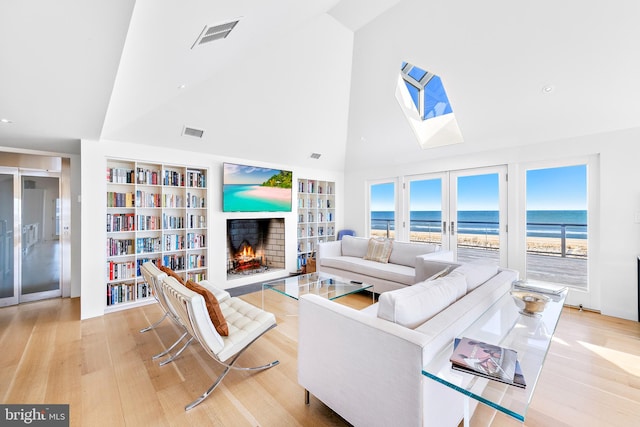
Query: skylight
point(426, 106)
point(426, 91)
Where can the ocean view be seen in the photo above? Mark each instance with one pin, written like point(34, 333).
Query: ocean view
point(255, 198)
point(541, 223)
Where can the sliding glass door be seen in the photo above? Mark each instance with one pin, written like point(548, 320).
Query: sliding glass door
point(30, 254)
point(8, 213)
point(40, 264)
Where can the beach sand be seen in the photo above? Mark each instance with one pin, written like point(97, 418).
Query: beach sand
point(577, 247)
point(273, 193)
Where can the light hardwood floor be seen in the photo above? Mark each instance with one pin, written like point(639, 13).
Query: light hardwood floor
point(102, 367)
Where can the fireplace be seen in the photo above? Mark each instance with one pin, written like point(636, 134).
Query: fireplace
point(254, 246)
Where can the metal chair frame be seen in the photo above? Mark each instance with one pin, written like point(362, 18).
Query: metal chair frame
point(182, 300)
point(154, 278)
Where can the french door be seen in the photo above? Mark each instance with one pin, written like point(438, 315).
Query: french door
point(464, 211)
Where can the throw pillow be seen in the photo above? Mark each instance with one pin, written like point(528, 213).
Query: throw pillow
point(427, 268)
point(439, 274)
point(475, 273)
point(456, 282)
point(379, 250)
point(414, 305)
point(354, 246)
point(170, 272)
point(405, 253)
point(213, 307)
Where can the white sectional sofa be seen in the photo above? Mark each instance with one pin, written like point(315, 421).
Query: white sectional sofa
point(345, 258)
point(367, 368)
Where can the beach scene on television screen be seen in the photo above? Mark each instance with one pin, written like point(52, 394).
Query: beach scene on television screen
point(255, 189)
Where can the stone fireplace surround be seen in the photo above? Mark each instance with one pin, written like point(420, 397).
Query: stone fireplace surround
point(266, 238)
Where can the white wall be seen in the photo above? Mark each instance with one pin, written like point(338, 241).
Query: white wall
point(616, 237)
point(279, 102)
point(94, 187)
point(75, 225)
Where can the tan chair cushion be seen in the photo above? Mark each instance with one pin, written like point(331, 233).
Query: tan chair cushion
point(213, 307)
point(170, 272)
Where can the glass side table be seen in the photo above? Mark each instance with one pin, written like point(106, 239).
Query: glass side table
point(503, 324)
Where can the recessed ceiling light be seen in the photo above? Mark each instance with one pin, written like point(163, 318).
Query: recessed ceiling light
point(547, 89)
point(182, 86)
point(5, 121)
point(315, 155)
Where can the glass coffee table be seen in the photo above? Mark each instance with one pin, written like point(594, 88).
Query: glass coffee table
point(325, 285)
point(504, 325)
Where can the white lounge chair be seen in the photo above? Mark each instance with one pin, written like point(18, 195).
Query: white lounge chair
point(154, 277)
point(246, 323)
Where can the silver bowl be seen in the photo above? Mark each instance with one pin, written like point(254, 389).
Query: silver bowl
point(530, 303)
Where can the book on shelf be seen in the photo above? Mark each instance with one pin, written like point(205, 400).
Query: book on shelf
point(120, 270)
point(196, 178)
point(120, 175)
point(488, 361)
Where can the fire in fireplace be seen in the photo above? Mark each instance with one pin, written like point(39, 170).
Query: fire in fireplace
point(254, 245)
point(245, 260)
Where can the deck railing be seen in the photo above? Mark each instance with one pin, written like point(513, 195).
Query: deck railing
point(430, 230)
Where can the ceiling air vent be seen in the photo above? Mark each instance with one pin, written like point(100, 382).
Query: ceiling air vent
point(315, 155)
point(192, 132)
point(215, 32)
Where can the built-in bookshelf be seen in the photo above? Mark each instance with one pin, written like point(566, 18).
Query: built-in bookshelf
point(316, 216)
point(155, 212)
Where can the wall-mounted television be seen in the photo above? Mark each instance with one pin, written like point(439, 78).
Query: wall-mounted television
point(255, 189)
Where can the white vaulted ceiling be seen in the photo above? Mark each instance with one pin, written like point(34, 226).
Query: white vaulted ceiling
point(296, 77)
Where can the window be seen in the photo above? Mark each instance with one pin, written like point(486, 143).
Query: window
point(382, 210)
point(557, 229)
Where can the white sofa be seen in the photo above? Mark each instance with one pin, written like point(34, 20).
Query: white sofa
point(345, 258)
point(368, 369)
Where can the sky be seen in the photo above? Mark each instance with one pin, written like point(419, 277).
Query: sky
point(241, 174)
point(562, 188)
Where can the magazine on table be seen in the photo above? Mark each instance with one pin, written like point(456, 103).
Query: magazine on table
point(487, 360)
point(544, 288)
